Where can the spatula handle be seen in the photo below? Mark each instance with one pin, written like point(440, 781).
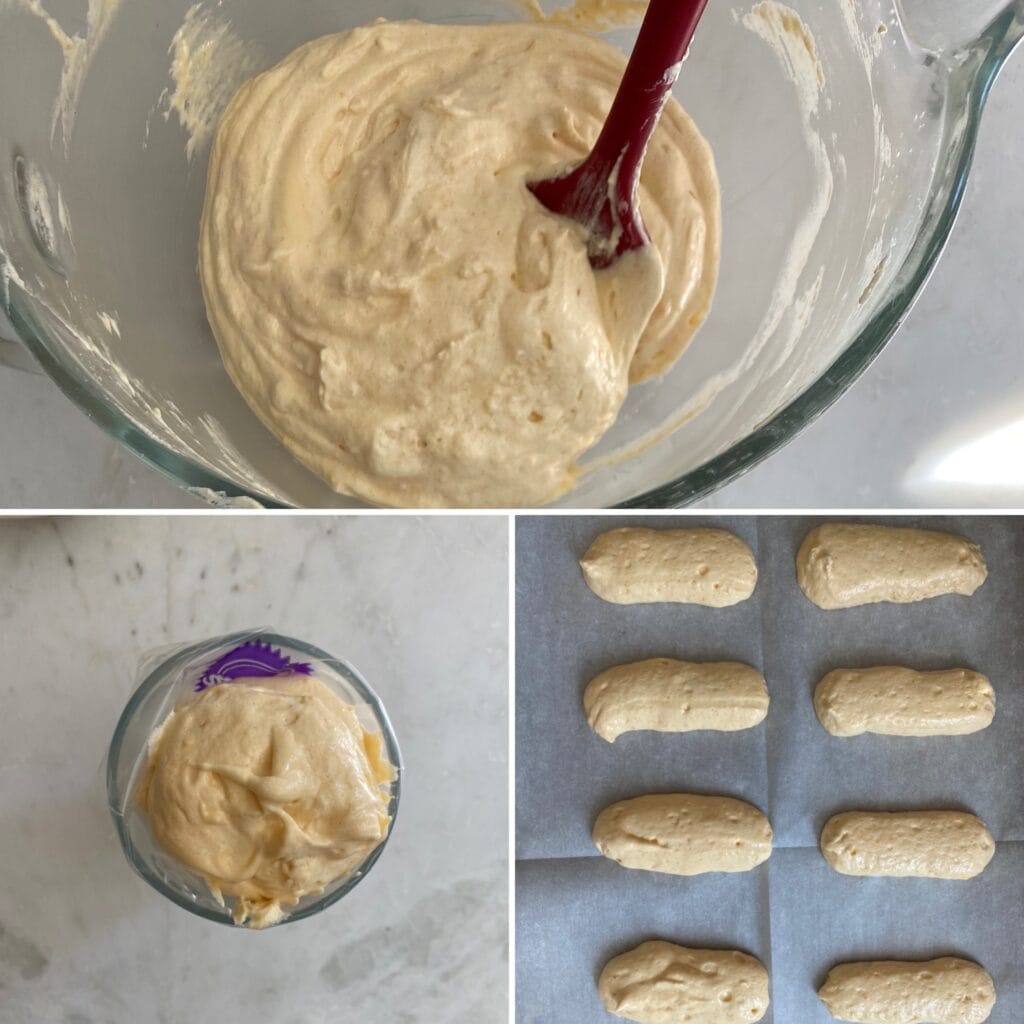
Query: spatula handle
point(664, 38)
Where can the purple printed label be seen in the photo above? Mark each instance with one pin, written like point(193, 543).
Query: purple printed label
point(251, 660)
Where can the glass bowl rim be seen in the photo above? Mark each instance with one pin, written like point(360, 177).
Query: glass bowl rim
point(351, 674)
point(995, 45)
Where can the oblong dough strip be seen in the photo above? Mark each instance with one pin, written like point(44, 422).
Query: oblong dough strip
point(684, 834)
point(895, 701)
point(666, 695)
point(842, 565)
point(634, 565)
point(944, 991)
point(907, 844)
point(659, 982)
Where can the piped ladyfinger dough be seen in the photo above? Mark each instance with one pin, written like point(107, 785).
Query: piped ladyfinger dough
point(841, 565)
point(662, 983)
point(944, 991)
point(666, 695)
point(684, 834)
point(907, 844)
point(634, 565)
point(896, 701)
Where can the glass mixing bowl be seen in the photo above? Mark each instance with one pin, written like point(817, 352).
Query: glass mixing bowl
point(842, 152)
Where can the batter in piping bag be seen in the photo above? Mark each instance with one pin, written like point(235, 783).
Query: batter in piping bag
point(268, 789)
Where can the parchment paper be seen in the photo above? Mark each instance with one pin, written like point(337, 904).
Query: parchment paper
point(575, 909)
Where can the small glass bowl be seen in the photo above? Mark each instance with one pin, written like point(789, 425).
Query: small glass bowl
point(173, 678)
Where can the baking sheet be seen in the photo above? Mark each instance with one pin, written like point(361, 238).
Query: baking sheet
point(574, 909)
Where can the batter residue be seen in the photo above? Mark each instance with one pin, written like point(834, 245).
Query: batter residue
point(390, 298)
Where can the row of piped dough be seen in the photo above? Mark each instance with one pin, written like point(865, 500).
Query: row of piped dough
point(688, 834)
point(838, 566)
point(660, 982)
point(667, 695)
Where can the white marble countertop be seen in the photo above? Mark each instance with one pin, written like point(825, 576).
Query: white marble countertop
point(419, 605)
point(937, 421)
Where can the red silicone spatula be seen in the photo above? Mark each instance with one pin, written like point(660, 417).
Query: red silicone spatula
point(600, 193)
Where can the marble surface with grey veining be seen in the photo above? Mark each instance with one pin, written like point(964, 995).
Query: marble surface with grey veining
point(419, 605)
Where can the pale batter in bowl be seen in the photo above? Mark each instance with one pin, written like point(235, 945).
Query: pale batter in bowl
point(389, 297)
